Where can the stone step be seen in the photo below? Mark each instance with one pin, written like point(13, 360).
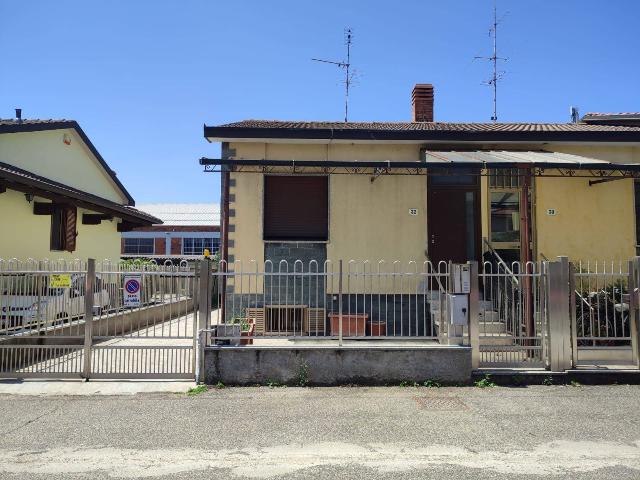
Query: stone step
point(489, 316)
point(492, 327)
point(496, 339)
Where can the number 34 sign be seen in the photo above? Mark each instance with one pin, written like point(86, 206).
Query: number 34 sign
point(131, 290)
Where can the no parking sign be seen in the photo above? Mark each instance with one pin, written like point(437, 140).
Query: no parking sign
point(131, 291)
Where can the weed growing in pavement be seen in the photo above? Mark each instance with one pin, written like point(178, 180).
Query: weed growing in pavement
point(548, 380)
point(575, 383)
point(485, 382)
point(431, 384)
point(409, 383)
point(219, 385)
point(274, 384)
point(303, 374)
point(197, 390)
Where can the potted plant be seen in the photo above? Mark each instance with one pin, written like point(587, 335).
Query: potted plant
point(247, 329)
point(377, 328)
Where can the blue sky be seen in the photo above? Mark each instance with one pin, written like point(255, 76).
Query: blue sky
point(142, 77)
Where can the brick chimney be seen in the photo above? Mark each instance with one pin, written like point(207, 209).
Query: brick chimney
point(422, 103)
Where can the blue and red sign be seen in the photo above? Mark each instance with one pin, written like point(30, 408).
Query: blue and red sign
point(131, 290)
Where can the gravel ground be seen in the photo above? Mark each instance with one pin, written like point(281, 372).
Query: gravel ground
point(343, 432)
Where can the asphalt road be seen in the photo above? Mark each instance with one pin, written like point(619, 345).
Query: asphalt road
point(311, 433)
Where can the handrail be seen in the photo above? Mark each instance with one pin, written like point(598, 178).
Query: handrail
point(514, 279)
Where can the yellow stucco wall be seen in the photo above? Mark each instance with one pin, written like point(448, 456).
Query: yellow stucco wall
point(371, 220)
point(24, 235)
point(44, 153)
point(591, 223)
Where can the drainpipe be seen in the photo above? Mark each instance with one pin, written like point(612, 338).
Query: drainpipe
point(525, 248)
point(223, 264)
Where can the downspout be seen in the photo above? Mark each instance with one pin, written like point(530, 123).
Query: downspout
point(223, 264)
point(525, 250)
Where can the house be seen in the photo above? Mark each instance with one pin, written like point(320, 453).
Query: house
point(58, 197)
point(426, 190)
point(187, 230)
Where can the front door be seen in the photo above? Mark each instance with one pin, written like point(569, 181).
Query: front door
point(453, 218)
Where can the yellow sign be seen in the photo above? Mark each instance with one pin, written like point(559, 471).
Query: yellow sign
point(62, 280)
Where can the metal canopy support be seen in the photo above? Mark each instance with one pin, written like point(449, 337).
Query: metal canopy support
point(374, 169)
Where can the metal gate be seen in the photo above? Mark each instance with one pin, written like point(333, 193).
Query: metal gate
point(139, 322)
point(513, 315)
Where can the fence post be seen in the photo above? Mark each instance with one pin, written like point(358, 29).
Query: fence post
point(474, 315)
point(634, 308)
point(340, 302)
point(559, 315)
point(572, 315)
point(89, 288)
point(204, 295)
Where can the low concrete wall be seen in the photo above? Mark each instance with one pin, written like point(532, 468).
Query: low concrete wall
point(328, 365)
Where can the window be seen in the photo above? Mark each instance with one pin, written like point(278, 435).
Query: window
point(196, 246)
point(296, 208)
point(63, 228)
point(505, 217)
point(138, 246)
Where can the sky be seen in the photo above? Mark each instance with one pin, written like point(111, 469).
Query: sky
point(143, 77)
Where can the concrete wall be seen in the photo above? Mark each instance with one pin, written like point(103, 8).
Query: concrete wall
point(250, 365)
point(25, 235)
point(45, 153)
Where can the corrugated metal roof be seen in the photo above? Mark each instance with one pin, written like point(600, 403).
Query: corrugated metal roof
point(501, 156)
point(186, 214)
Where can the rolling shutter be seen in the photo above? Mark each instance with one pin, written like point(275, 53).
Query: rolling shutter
point(70, 220)
point(296, 208)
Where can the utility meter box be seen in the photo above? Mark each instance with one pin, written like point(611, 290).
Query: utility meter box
point(461, 278)
point(458, 309)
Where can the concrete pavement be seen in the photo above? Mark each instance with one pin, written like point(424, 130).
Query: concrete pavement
point(343, 432)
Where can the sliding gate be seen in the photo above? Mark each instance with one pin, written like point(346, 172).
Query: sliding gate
point(138, 322)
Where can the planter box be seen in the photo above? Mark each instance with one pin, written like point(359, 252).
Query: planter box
point(248, 333)
point(377, 329)
point(353, 325)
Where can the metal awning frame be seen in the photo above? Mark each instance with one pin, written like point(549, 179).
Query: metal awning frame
point(380, 168)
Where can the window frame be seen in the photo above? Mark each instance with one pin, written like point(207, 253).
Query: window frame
point(215, 245)
point(138, 240)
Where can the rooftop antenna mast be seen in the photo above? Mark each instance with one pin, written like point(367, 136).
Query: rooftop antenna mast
point(497, 75)
point(346, 65)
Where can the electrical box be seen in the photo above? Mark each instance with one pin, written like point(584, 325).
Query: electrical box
point(458, 309)
point(461, 278)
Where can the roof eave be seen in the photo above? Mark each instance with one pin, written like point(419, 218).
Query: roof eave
point(242, 133)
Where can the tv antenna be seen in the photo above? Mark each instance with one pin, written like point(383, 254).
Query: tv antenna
point(497, 75)
point(345, 65)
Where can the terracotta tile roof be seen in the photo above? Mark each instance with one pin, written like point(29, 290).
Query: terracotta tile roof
point(428, 126)
point(615, 114)
point(35, 121)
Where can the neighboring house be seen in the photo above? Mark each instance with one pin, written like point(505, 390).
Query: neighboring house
point(628, 119)
point(58, 196)
point(426, 190)
point(187, 230)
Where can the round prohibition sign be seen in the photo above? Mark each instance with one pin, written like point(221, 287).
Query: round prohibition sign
point(132, 286)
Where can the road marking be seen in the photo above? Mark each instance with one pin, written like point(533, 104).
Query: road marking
point(554, 458)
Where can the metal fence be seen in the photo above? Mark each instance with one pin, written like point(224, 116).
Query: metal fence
point(512, 323)
point(49, 326)
point(331, 300)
